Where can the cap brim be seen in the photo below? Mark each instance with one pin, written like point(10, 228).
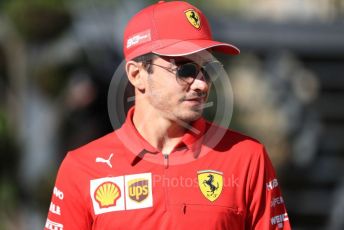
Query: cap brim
point(183, 48)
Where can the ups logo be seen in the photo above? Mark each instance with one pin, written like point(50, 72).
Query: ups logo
point(138, 189)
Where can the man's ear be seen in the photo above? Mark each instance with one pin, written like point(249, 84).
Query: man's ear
point(135, 76)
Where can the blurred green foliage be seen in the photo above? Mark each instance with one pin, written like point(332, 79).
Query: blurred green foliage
point(52, 79)
point(2, 65)
point(8, 197)
point(8, 149)
point(8, 168)
point(38, 20)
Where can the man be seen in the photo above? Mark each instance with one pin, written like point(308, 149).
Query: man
point(166, 167)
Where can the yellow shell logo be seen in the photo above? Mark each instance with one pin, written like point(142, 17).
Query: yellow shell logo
point(194, 18)
point(107, 194)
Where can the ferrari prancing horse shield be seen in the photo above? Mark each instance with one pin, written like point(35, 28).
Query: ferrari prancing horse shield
point(211, 183)
point(193, 17)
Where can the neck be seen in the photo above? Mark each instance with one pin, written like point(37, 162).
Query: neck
point(159, 131)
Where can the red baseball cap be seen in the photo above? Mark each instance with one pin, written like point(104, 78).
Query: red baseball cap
point(173, 28)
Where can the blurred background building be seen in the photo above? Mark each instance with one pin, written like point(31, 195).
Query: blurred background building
point(57, 59)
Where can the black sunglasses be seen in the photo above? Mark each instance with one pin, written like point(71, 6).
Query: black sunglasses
point(189, 71)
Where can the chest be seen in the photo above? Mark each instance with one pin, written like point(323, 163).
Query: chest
point(207, 194)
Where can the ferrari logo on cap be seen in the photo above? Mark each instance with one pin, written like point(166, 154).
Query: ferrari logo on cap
point(194, 18)
point(210, 182)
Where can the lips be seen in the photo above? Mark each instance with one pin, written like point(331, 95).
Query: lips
point(195, 100)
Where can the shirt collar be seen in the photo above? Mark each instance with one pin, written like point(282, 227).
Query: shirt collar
point(139, 147)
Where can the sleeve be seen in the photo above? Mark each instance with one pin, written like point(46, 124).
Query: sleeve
point(68, 208)
point(266, 207)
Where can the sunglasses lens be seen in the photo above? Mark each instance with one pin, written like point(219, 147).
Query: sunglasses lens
point(188, 70)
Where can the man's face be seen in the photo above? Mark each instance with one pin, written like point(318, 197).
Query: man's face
point(174, 98)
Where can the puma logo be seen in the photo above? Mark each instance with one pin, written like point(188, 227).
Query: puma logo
point(106, 161)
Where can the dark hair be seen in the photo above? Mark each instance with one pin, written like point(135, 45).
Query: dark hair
point(146, 61)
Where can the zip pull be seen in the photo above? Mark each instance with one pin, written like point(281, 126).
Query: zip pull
point(184, 208)
point(165, 160)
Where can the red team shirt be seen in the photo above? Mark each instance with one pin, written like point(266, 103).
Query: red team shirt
point(121, 182)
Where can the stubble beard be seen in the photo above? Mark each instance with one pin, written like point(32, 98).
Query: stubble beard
point(175, 111)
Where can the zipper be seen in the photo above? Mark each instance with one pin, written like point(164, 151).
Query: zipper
point(165, 177)
point(166, 160)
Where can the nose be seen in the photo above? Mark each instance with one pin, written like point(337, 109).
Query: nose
point(200, 84)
